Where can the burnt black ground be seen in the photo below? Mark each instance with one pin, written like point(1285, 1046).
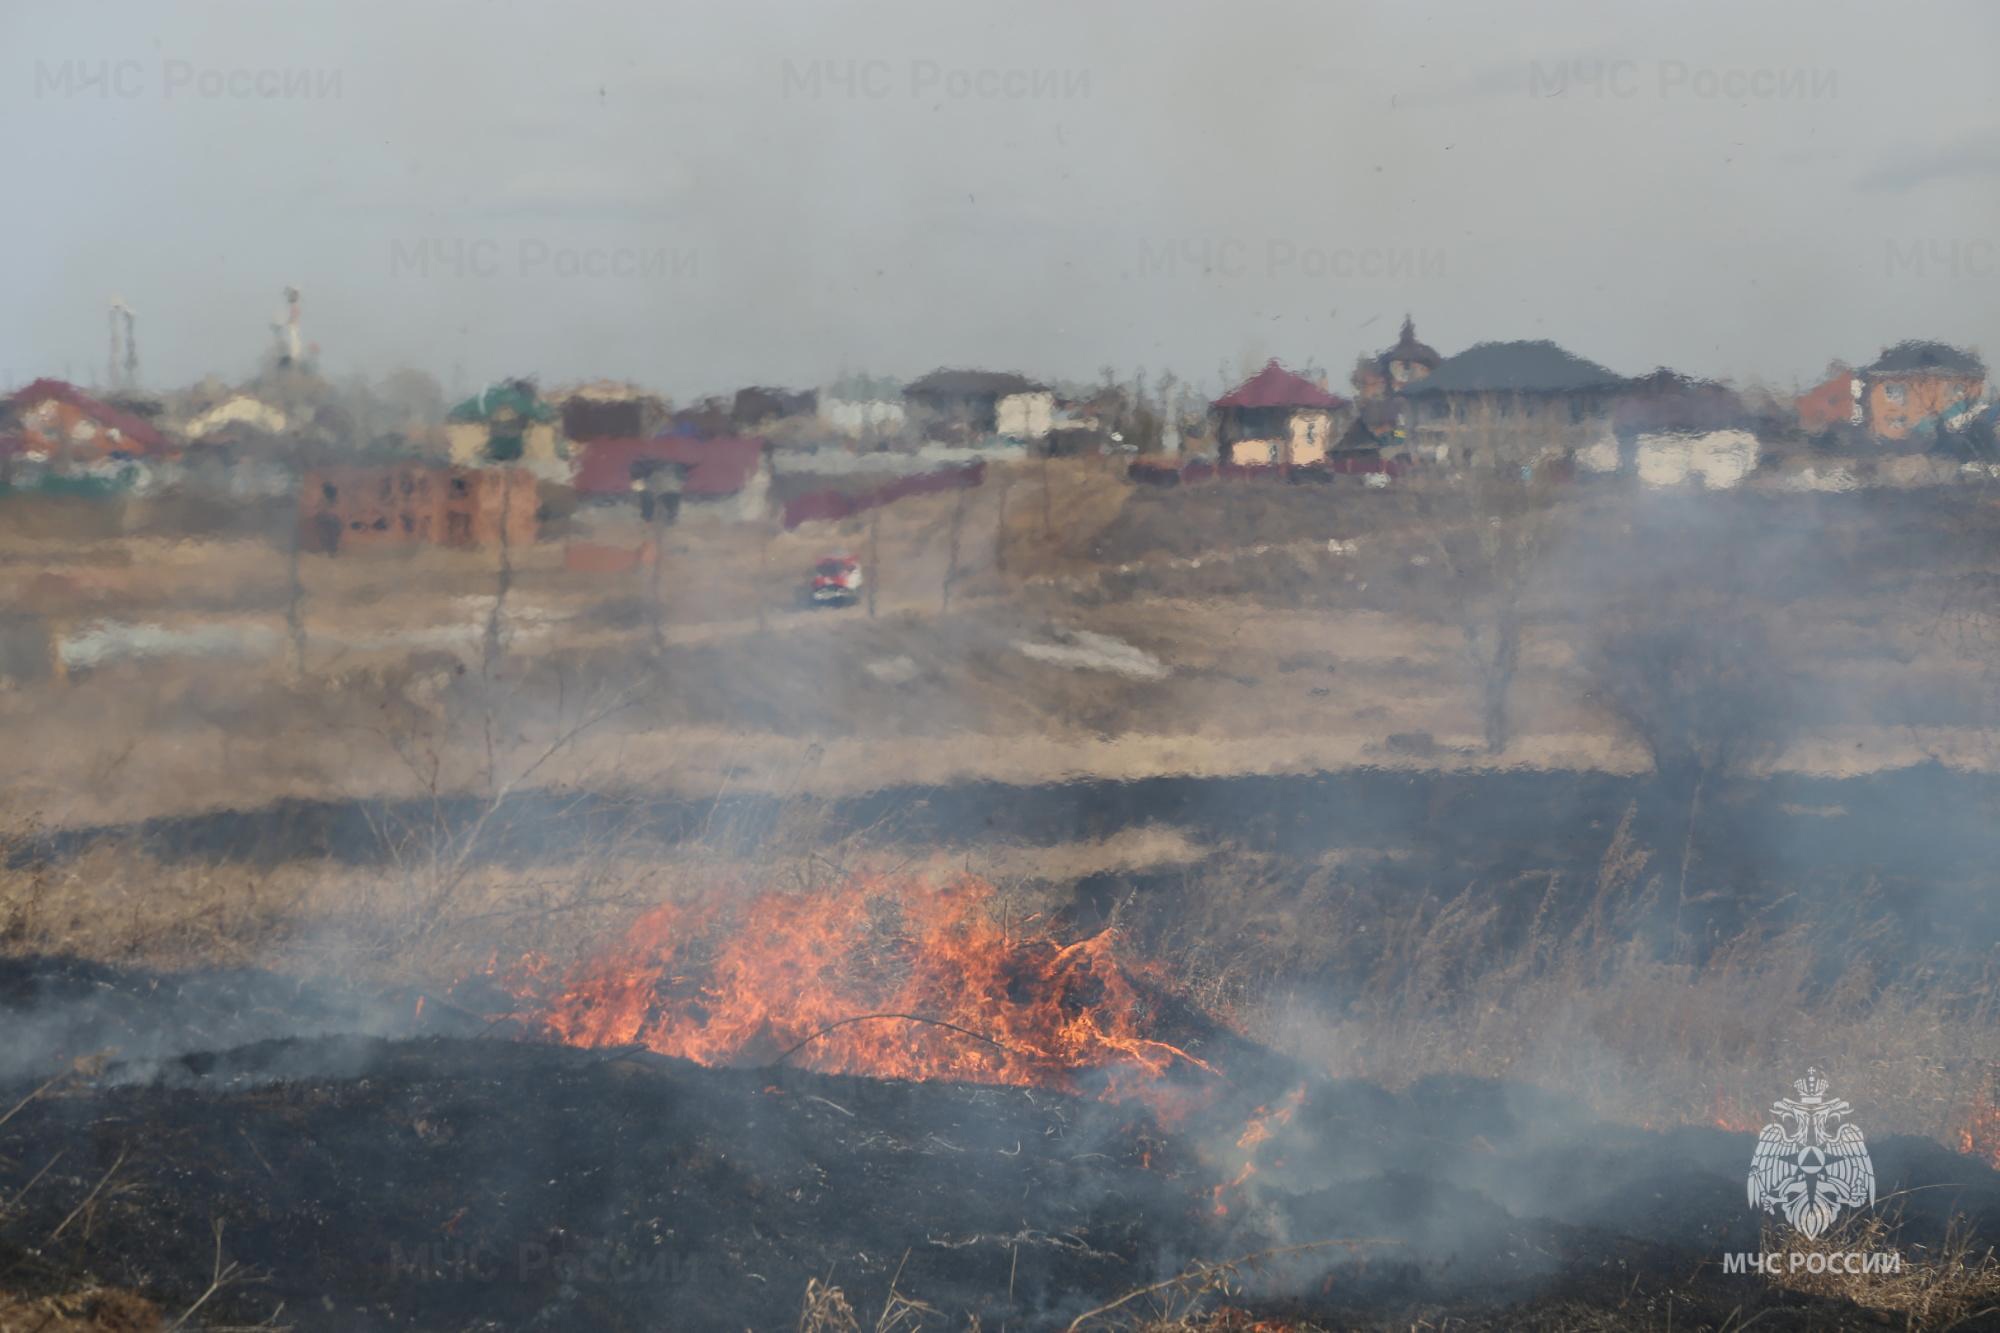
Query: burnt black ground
point(450, 1183)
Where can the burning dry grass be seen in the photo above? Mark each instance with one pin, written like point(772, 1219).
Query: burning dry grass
point(1587, 1001)
point(882, 976)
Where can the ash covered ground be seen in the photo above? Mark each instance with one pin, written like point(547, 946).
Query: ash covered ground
point(443, 1174)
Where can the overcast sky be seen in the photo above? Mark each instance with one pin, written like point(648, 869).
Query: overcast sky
point(702, 196)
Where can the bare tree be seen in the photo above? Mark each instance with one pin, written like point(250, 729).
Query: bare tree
point(1489, 535)
point(1686, 659)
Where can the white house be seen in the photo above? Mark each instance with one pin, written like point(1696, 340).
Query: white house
point(1716, 459)
point(237, 410)
point(1024, 416)
point(861, 405)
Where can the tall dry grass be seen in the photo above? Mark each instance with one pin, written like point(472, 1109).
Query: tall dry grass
point(1598, 1000)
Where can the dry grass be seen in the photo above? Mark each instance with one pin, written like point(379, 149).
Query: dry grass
point(826, 1309)
point(87, 1309)
point(1597, 999)
point(1955, 1285)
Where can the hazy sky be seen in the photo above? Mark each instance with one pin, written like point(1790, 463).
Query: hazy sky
point(701, 196)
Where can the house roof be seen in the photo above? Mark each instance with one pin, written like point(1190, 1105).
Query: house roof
point(1274, 386)
point(858, 388)
point(1918, 357)
point(717, 467)
point(1537, 366)
point(1668, 401)
point(140, 432)
point(971, 384)
point(1357, 437)
point(515, 396)
point(1407, 348)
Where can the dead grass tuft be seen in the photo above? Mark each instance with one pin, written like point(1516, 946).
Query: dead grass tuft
point(1954, 1285)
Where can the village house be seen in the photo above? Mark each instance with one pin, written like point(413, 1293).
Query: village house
point(238, 416)
point(1541, 398)
point(677, 476)
point(416, 504)
point(862, 406)
point(1670, 430)
point(609, 409)
point(507, 423)
point(1834, 402)
point(758, 405)
point(1382, 415)
point(1394, 369)
point(1277, 418)
point(1907, 392)
point(59, 426)
point(965, 406)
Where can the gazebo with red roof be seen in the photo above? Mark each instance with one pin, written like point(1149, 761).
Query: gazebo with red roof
point(1277, 418)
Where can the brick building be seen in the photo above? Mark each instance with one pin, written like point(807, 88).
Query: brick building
point(416, 504)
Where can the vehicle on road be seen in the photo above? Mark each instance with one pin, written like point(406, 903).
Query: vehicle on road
point(836, 581)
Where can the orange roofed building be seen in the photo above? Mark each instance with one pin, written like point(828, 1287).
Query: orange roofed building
point(1909, 385)
point(60, 423)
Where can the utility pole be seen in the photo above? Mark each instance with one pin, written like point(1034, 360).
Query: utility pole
point(951, 549)
point(495, 622)
point(873, 574)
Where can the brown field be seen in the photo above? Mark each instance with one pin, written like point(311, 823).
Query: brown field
point(1250, 639)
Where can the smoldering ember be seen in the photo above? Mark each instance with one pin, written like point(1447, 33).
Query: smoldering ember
point(1136, 669)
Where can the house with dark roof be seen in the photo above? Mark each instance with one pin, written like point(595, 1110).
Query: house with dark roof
point(1379, 382)
point(1492, 383)
point(1671, 430)
point(606, 409)
point(759, 404)
point(1278, 418)
point(1904, 393)
point(1914, 383)
point(965, 406)
point(1393, 369)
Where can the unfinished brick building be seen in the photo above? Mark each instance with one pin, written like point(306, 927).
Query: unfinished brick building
point(415, 504)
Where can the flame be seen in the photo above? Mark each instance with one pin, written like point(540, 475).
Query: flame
point(887, 978)
point(1979, 1136)
point(1726, 1112)
point(1255, 1132)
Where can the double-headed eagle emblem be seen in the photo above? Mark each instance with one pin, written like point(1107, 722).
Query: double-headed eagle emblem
point(1806, 1168)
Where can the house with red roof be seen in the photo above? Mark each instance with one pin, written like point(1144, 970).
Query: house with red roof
point(728, 477)
point(62, 426)
point(1277, 419)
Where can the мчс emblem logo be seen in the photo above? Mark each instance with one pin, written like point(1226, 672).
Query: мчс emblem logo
point(1804, 1167)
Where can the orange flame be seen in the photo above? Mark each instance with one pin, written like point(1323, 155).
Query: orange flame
point(1726, 1112)
point(1255, 1131)
point(1979, 1136)
point(893, 979)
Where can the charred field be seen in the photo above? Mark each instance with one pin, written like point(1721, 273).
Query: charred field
point(481, 1181)
point(1032, 1103)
